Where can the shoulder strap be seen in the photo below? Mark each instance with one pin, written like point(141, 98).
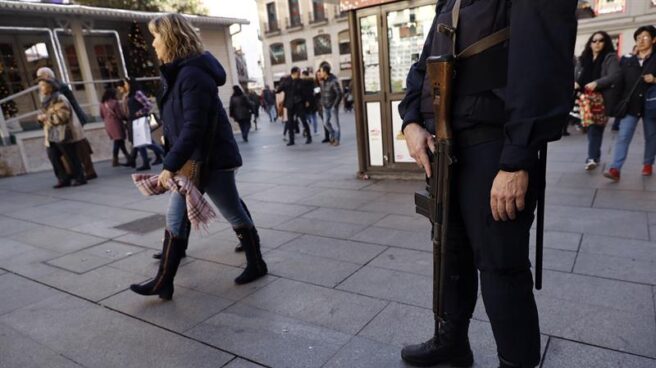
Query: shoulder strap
point(477, 47)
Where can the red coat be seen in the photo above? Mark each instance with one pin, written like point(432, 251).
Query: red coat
point(111, 113)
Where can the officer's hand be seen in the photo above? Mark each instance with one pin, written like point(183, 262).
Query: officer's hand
point(508, 194)
point(419, 140)
point(649, 78)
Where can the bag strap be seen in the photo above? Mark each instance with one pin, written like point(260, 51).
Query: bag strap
point(637, 83)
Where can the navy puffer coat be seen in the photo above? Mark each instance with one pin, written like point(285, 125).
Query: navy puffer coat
point(189, 104)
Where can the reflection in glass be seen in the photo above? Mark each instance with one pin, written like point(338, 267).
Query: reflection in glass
point(370, 53)
point(277, 51)
point(322, 45)
point(407, 30)
point(299, 50)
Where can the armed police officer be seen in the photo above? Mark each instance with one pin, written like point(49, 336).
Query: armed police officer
point(512, 92)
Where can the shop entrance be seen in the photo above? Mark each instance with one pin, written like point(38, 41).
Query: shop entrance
point(389, 39)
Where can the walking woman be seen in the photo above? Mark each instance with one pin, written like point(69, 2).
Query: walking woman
point(62, 130)
point(200, 145)
point(637, 75)
point(112, 115)
point(240, 110)
point(136, 105)
point(598, 70)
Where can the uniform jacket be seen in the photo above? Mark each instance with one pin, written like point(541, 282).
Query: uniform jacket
point(331, 92)
point(189, 105)
point(610, 76)
point(631, 72)
point(536, 64)
point(112, 115)
point(240, 107)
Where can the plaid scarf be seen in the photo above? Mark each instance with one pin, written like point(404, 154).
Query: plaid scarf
point(199, 211)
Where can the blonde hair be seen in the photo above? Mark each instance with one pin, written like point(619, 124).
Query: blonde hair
point(180, 38)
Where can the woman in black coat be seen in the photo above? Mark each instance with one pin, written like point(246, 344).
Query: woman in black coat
point(241, 110)
point(201, 147)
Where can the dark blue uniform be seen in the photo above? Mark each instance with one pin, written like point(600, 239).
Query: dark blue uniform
point(513, 98)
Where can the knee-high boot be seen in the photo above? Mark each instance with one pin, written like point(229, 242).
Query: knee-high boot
point(162, 284)
point(239, 248)
point(255, 265)
point(184, 242)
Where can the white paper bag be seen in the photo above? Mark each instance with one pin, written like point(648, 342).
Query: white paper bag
point(141, 132)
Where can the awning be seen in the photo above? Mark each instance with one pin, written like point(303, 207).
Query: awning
point(42, 9)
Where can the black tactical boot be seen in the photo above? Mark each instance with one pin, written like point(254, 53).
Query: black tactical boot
point(450, 345)
point(255, 265)
point(162, 284)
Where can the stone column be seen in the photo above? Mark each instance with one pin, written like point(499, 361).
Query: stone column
point(85, 68)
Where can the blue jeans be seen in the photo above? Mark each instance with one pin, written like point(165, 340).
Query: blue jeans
point(628, 126)
point(595, 137)
point(333, 130)
point(222, 190)
point(272, 112)
point(312, 118)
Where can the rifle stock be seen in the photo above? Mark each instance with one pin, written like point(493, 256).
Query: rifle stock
point(434, 201)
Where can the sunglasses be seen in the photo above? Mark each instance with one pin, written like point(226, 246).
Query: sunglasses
point(597, 41)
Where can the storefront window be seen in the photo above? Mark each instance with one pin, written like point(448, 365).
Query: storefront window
point(407, 30)
point(322, 45)
point(299, 50)
point(277, 51)
point(370, 53)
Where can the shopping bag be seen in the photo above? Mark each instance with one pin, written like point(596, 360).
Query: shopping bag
point(141, 132)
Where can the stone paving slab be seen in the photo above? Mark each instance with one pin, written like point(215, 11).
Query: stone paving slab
point(347, 216)
point(339, 250)
point(308, 268)
point(337, 310)
point(19, 350)
point(241, 363)
point(563, 353)
point(92, 336)
point(270, 339)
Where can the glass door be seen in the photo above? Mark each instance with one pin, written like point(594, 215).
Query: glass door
point(407, 28)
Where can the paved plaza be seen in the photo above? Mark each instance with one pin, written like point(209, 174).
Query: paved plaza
point(350, 269)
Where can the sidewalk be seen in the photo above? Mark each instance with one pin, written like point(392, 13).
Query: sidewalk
point(350, 269)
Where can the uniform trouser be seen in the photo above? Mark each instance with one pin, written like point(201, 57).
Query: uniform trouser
point(498, 250)
point(296, 112)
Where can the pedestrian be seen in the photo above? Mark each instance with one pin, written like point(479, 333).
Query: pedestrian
point(201, 147)
point(637, 76)
point(82, 147)
point(331, 95)
point(136, 105)
point(495, 181)
point(597, 73)
point(254, 100)
point(269, 102)
point(62, 130)
point(112, 115)
point(317, 97)
point(312, 109)
point(296, 103)
point(241, 111)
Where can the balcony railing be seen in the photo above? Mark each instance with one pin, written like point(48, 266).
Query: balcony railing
point(317, 17)
point(271, 27)
point(294, 23)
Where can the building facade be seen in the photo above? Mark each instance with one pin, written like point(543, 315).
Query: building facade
point(620, 18)
point(303, 33)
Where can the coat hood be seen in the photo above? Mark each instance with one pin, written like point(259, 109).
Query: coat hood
point(205, 61)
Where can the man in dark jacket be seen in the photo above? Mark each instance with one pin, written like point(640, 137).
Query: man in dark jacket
point(509, 100)
point(269, 103)
point(331, 95)
point(296, 104)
